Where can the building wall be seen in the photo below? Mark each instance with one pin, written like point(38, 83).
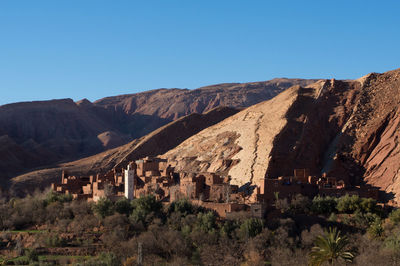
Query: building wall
point(129, 188)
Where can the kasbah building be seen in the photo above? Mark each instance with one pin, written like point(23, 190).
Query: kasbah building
point(157, 176)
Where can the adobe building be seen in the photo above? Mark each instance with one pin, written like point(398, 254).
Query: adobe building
point(92, 187)
point(156, 176)
point(303, 183)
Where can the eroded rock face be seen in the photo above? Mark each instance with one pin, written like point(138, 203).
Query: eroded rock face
point(173, 103)
point(349, 129)
point(239, 146)
point(153, 144)
point(376, 131)
point(61, 130)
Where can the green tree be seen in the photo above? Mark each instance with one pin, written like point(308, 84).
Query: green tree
point(57, 197)
point(206, 222)
point(330, 247)
point(182, 206)
point(368, 205)
point(123, 206)
point(323, 205)
point(143, 207)
point(349, 204)
point(251, 227)
point(104, 207)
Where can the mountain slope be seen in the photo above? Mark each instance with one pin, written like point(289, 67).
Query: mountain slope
point(240, 145)
point(174, 103)
point(153, 144)
point(61, 130)
point(349, 129)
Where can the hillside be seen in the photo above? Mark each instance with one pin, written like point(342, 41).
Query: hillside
point(153, 144)
point(49, 132)
point(174, 103)
point(240, 145)
point(349, 129)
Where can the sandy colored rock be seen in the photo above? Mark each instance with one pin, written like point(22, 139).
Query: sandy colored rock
point(48, 132)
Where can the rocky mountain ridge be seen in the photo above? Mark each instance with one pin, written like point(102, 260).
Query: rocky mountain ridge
point(153, 144)
point(49, 132)
point(348, 129)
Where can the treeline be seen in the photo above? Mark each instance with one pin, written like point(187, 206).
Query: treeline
point(116, 233)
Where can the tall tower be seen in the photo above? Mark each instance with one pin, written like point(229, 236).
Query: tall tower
point(129, 182)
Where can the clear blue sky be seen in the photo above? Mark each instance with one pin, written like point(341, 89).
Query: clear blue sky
point(91, 49)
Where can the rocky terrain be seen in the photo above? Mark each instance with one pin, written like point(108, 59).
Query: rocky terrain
point(36, 134)
point(153, 144)
point(349, 129)
point(241, 145)
point(173, 103)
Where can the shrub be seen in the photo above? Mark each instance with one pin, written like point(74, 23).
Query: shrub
point(81, 207)
point(323, 205)
point(32, 255)
point(300, 204)
point(143, 207)
point(364, 220)
point(123, 206)
point(55, 241)
point(251, 227)
point(392, 242)
point(104, 207)
point(106, 259)
point(332, 217)
point(349, 204)
point(57, 197)
point(228, 228)
point(308, 236)
point(368, 205)
point(182, 206)
point(282, 205)
point(206, 222)
point(394, 216)
point(56, 211)
point(117, 223)
point(376, 229)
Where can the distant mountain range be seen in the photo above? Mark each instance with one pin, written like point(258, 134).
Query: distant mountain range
point(349, 129)
point(45, 133)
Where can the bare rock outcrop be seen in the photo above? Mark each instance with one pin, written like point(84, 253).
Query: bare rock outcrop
point(62, 130)
point(153, 144)
point(349, 129)
point(241, 145)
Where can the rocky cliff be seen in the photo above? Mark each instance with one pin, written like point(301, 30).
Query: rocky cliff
point(153, 144)
point(48, 132)
point(349, 129)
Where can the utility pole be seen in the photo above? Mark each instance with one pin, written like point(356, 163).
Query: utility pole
point(140, 254)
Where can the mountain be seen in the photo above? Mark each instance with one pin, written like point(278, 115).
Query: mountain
point(153, 144)
point(173, 103)
point(349, 129)
point(49, 132)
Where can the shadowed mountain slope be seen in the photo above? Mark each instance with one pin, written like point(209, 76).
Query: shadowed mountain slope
point(49, 132)
point(349, 129)
point(153, 144)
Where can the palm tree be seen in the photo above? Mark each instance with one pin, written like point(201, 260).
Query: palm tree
point(329, 248)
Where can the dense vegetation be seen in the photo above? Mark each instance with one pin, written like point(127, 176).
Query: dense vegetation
point(48, 228)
